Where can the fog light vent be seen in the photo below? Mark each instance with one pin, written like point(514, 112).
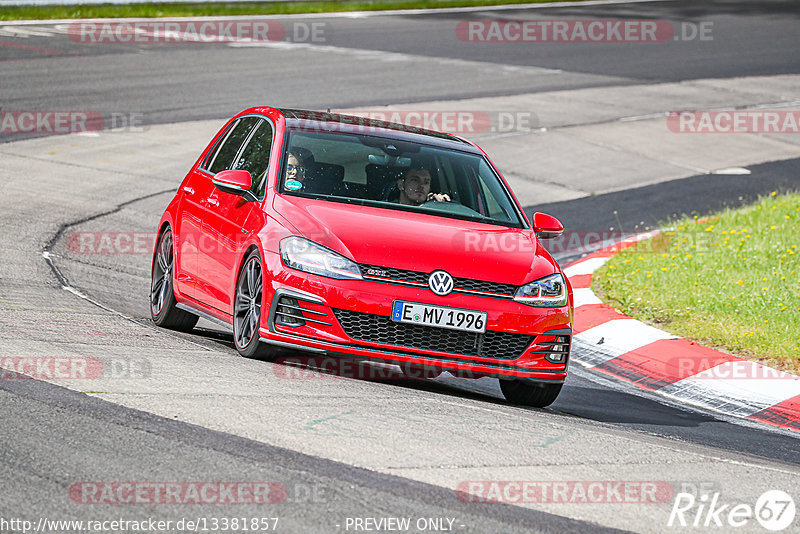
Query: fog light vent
point(559, 349)
point(289, 313)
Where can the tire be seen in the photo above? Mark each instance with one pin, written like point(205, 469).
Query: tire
point(247, 305)
point(533, 394)
point(163, 306)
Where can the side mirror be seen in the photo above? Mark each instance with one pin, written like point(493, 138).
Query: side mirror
point(235, 182)
point(546, 226)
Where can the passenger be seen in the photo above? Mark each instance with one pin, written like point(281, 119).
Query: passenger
point(295, 172)
point(415, 187)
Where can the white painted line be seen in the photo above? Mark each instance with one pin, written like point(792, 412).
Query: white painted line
point(583, 296)
point(784, 104)
point(28, 32)
point(354, 14)
point(649, 116)
point(736, 396)
point(731, 171)
point(615, 338)
point(394, 57)
point(585, 267)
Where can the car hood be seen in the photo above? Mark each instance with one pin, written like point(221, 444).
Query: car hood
point(417, 241)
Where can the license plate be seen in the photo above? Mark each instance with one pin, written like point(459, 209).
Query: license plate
point(439, 316)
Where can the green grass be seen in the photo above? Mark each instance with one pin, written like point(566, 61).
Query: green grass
point(731, 281)
point(219, 9)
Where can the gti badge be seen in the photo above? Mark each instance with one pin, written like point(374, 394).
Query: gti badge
point(440, 283)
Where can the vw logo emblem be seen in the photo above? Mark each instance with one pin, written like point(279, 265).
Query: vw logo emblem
point(440, 283)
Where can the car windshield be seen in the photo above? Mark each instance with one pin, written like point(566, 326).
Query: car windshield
point(395, 174)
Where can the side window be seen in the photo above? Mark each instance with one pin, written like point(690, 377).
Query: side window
point(254, 157)
point(230, 146)
point(213, 152)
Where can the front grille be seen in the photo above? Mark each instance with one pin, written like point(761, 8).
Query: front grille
point(395, 274)
point(418, 277)
point(381, 329)
point(480, 285)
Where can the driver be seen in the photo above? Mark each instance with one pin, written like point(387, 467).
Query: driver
point(415, 187)
point(295, 171)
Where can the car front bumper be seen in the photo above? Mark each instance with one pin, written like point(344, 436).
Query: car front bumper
point(352, 318)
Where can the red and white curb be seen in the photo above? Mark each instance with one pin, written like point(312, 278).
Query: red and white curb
point(651, 359)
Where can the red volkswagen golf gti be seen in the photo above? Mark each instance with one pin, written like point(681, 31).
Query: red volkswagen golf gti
point(345, 236)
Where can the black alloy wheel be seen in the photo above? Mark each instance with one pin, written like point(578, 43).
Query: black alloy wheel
point(163, 306)
point(247, 309)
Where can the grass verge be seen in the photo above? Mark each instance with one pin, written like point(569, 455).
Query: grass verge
point(220, 9)
point(731, 281)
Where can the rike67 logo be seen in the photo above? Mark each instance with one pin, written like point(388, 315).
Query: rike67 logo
point(774, 510)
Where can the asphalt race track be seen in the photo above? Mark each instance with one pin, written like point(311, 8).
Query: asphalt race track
point(186, 408)
point(380, 60)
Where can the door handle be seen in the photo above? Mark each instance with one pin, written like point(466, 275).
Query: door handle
point(188, 190)
point(213, 202)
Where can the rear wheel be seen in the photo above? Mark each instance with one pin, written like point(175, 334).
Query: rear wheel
point(163, 306)
point(247, 310)
point(533, 394)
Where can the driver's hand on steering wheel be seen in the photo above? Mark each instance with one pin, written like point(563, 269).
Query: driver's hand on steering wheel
point(438, 197)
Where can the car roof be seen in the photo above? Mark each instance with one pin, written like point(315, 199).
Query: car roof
point(326, 121)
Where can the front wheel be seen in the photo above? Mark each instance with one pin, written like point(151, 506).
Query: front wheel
point(163, 306)
point(247, 310)
point(533, 394)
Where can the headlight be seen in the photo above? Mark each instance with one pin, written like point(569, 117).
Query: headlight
point(305, 255)
point(550, 291)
